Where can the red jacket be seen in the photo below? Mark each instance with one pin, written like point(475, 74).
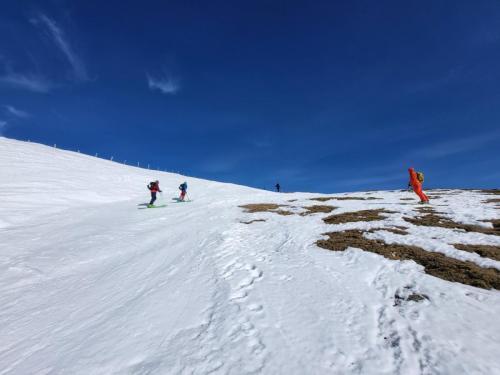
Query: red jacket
point(413, 177)
point(154, 188)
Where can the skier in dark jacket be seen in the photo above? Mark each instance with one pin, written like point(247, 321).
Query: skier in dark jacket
point(183, 188)
point(154, 187)
point(278, 187)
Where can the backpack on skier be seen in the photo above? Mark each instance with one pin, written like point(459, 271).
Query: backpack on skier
point(420, 177)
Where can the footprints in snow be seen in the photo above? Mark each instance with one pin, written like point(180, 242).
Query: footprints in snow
point(245, 284)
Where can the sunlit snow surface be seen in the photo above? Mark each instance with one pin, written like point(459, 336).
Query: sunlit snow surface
point(92, 284)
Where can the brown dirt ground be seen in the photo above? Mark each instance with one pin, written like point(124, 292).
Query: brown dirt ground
point(266, 207)
point(495, 200)
point(397, 230)
point(318, 209)
point(435, 264)
point(324, 199)
point(491, 191)
point(432, 220)
point(364, 215)
point(486, 251)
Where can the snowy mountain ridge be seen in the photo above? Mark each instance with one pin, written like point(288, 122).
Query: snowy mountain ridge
point(240, 280)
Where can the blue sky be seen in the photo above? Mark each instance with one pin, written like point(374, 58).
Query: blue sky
point(323, 96)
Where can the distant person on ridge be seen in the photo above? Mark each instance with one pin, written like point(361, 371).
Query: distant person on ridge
point(154, 187)
point(183, 188)
point(278, 187)
point(416, 180)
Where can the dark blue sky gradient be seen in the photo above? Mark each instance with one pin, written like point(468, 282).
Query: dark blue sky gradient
point(321, 96)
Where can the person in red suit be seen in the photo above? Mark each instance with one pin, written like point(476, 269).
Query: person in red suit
point(417, 186)
point(154, 187)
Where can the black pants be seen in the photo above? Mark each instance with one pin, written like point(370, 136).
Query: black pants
point(153, 197)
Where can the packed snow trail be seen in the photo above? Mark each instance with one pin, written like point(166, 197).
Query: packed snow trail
point(90, 284)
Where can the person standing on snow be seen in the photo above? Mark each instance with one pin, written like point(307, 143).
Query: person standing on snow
point(278, 187)
point(183, 188)
point(416, 184)
point(154, 187)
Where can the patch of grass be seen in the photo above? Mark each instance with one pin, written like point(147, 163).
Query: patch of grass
point(433, 220)
point(486, 251)
point(266, 207)
point(317, 209)
point(321, 199)
point(283, 212)
point(364, 215)
point(491, 191)
point(435, 264)
point(495, 200)
point(324, 199)
point(396, 230)
point(260, 207)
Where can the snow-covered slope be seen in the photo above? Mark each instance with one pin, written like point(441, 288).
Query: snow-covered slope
point(91, 283)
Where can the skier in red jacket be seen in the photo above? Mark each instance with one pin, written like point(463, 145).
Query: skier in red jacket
point(154, 187)
point(417, 186)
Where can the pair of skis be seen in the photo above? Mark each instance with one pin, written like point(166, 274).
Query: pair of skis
point(175, 200)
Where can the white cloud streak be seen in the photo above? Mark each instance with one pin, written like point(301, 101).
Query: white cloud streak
point(456, 146)
point(28, 82)
point(16, 112)
point(166, 85)
point(3, 124)
point(372, 180)
point(59, 38)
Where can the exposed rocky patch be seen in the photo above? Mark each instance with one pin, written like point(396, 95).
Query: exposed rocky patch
point(399, 299)
point(252, 221)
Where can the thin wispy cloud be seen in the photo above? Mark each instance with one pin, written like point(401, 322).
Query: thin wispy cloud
point(30, 82)
point(3, 124)
point(13, 111)
point(54, 31)
point(438, 82)
point(457, 146)
point(372, 180)
point(165, 84)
